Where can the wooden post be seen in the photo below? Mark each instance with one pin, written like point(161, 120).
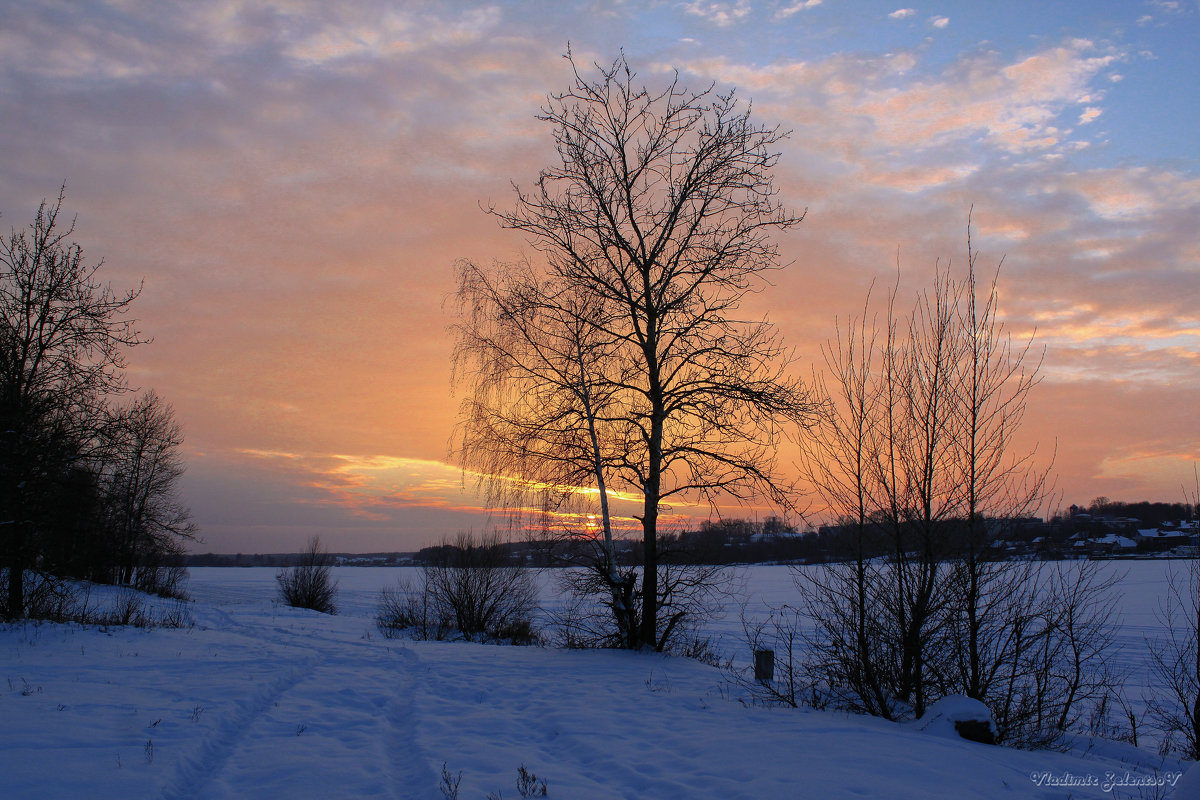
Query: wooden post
point(764, 666)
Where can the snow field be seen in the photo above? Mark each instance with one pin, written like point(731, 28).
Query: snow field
point(264, 701)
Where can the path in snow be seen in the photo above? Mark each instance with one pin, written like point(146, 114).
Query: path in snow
point(259, 700)
point(326, 696)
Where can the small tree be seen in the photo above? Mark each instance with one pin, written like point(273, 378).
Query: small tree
point(915, 457)
point(141, 472)
point(309, 584)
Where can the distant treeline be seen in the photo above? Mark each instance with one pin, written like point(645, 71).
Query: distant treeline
point(1151, 515)
point(741, 541)
point(295, 559)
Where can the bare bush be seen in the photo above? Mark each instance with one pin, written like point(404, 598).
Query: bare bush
point(852, 656)
point(449, 783)
point(472, 588)
point(1175, 664)
point(165, 580)
point(1043, 650)
point(309, 584)
point(407, 610)
point(52, 599)
point(477, 585)
point(131, 610)
point(689, 595)
point(528, 785)
point(1053, 673)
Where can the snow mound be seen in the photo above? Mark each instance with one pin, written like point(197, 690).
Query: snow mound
point(959, 717)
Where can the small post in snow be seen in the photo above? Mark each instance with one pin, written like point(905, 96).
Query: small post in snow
point(764, 666)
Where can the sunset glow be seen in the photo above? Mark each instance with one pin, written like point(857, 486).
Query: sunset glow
point(294, 180)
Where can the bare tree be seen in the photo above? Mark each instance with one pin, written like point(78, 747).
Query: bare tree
point(882, 464)
point(916, 458)
point(533, 423)
point(62, 339)
point(1175, 658)
point(838, 457)
point(993, 380)
point(658, 218)
point(146, 520)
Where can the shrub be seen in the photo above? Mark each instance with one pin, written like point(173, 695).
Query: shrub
point(309, 584)
point(405, 610)
point(689, 595)
point(471, 588)
point(1175, 664)
point(51, 599)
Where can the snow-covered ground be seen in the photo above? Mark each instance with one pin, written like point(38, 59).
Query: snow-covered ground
point(262, 701)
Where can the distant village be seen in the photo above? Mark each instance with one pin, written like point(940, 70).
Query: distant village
point(1105, 529)
point(1085, 534)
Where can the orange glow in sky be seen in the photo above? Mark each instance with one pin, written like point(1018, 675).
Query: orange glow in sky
point(294, 181)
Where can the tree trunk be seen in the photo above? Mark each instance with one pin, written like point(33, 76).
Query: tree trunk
point(648, 635)
point(15, 608)
point(649, 632)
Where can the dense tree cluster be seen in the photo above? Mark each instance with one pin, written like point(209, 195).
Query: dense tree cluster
point(88, 478)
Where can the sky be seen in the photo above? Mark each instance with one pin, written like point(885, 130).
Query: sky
point(292, 182)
